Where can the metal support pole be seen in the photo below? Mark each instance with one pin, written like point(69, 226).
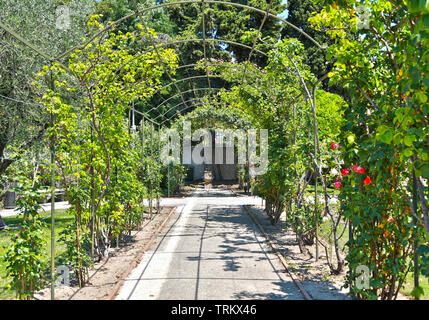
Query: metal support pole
point(151, 155)
point(415, 234)
point(316, 174)
point(159, 157)
point(52, 202)
point(159, 141)
point(151, 140)
point(168, 173)
point(92, 201)
point(143, 142)
point(168, 180)
point(143, 139)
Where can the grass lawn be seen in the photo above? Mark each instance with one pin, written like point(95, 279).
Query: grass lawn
point(324, 232)
point(62, 219)
point(409, 285)
point(331, 191)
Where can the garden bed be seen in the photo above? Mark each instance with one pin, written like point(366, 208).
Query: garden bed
point(104, 277)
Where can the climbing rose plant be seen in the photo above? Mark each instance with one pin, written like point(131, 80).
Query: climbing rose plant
point(384, 68)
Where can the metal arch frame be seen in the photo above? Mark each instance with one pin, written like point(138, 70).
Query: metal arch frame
point(30, 45)
point(193, 105)
point(187, 91)
point(144, 116)
point(160, 60)
point(179, 104)
point(211, 63)
point(216, 102)
point(202, 77)
point(192, 78)
point(197, 89)
point(185, 79)
point(177, 3)
point(140, 12)
point(195, 65)
point(165, 44)
point(19, 101)
point(181, 80)
point(257, 38)
point(172, 108)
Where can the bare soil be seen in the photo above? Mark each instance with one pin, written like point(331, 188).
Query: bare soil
point(315, 276)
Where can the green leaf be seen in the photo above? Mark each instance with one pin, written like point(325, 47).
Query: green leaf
point(425, 171)
point(417, 292)
point(407, 152)
point(386, 137)
point(351, 138)
point(409, 139)
point(421, 97)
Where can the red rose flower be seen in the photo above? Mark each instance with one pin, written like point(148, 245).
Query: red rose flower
point(337, 184)
point(359, 169)
point(367, 181)
point(335, 146)
point(345, 172)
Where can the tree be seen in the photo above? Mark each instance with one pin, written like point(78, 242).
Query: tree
point(112, 10)
point(23, 124)
point(299, 11)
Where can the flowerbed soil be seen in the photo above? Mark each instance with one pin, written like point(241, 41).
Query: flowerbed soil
point(106, 275)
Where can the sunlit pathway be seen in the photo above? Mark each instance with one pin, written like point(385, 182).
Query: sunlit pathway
point(210, 250)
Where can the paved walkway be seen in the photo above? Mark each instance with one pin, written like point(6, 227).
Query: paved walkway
point(45, 207)
point(210, 250)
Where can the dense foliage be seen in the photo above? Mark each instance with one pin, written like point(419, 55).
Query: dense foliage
point(95, 151)
point(385, 71)
point(354, 152)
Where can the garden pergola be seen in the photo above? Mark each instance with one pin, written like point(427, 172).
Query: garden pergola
point(208, 90)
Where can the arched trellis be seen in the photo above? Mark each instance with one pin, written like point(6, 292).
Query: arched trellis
point(193, 65)
point(187, 91)
point(139, 12)
point(166, 44)
point(204, 40)
point(156, 107)
point(192, 90)
point(177, 3)
point(195, 105)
